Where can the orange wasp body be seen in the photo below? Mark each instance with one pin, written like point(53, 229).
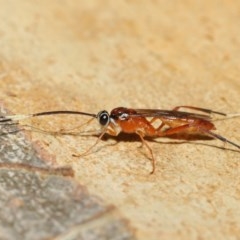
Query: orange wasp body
point(136, 121)
point(129, 122)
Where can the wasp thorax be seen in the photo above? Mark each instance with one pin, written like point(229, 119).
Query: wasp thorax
point(123, 116)
point(121, 113)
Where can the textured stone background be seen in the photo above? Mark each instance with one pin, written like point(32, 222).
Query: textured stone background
point(94, 55)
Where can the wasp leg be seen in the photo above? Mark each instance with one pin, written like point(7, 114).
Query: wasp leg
point(144, 142)
point(90, 148)
point(196, 129)
point(221, 138)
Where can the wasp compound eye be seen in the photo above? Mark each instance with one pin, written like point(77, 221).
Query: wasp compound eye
point(103, 118)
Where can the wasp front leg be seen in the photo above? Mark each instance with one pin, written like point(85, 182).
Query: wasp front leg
point(90, 148)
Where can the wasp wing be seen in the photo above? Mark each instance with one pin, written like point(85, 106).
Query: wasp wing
point(172, 114)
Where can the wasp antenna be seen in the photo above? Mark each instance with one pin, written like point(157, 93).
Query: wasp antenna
point(233, 115)
point(18, 117)
point(64, 112)
point(11, 118)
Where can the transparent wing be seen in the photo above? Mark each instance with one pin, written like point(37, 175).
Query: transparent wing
point(169, 114)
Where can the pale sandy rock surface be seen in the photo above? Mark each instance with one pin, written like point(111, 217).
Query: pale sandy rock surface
point(94, 55)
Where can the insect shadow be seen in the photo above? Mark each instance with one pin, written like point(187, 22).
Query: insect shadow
point(182, 138)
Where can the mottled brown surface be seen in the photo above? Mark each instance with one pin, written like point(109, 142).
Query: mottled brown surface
point(94, 55)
